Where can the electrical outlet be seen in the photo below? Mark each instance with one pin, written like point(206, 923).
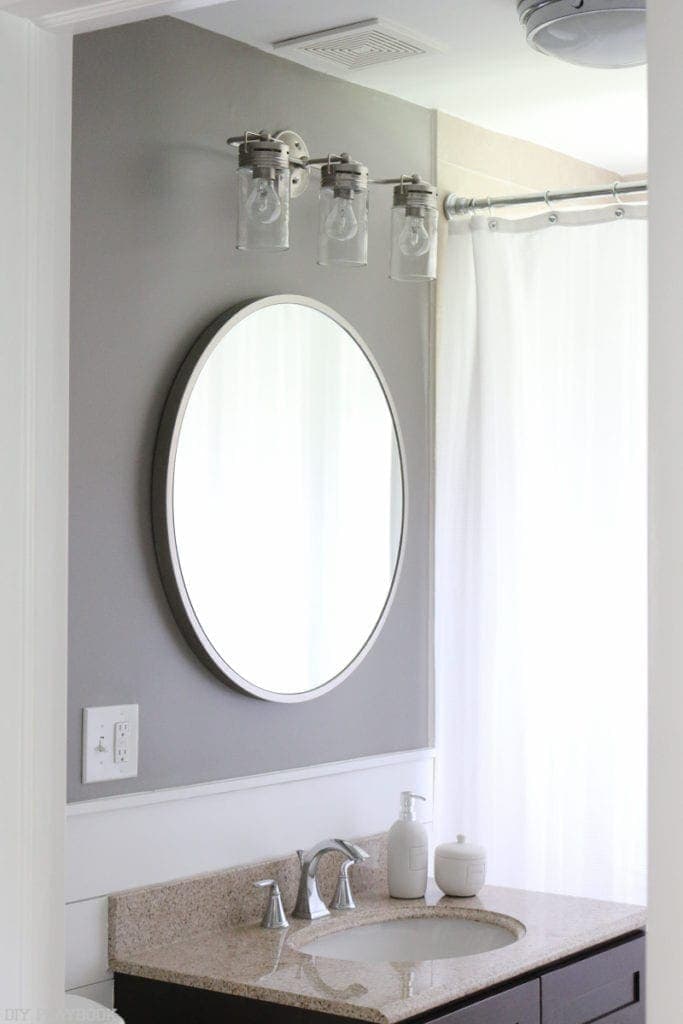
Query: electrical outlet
point(121, 736)
point(110, 742)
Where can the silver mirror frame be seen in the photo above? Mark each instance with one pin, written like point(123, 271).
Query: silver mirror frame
point(162, 499)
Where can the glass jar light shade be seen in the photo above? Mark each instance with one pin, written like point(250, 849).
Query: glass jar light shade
point(343, 213)
point(414, 232)
point(263, 209)
point(343, 227)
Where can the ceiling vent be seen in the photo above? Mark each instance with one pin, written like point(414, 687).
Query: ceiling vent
point(360, 45)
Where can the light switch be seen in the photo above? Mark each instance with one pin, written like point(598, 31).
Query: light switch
point(110, 743)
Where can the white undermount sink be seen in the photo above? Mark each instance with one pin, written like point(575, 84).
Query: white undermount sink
point(414, 939)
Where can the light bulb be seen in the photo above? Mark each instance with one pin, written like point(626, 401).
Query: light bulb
point(414, 239)
point(341, 223)
point(264, 205)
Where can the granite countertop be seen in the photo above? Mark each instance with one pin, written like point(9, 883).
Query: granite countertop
point(172, 933)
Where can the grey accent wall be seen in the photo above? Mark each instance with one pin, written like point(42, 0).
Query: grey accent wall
point(153, 262)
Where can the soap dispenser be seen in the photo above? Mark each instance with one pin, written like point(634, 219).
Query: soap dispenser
point(407, 853)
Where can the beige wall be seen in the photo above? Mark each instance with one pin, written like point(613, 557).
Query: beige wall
point(473, 161)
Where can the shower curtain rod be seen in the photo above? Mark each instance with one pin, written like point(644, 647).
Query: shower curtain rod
point(454, 205)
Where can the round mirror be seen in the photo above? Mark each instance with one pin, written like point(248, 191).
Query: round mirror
point(279, 498)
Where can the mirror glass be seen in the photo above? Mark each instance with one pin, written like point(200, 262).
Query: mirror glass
point(284, 498)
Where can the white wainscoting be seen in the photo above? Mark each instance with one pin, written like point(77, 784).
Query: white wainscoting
point(123, 842)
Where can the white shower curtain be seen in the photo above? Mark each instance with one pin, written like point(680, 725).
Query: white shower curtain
point(541, 549)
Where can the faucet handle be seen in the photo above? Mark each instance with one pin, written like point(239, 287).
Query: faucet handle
point(274, 916)
point(357, 853)
point(343, 897)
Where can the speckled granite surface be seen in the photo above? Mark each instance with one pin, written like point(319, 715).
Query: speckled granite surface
point(163, 913)
point(203, 932)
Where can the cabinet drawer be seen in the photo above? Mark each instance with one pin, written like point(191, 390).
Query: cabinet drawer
point(521, 1005)
point(634, 1014)
point(606, 987)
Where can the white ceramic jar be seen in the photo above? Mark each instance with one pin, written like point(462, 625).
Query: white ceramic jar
point(460, 868)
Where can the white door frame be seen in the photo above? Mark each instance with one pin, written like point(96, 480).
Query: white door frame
point(665, 915)
point(35, 99)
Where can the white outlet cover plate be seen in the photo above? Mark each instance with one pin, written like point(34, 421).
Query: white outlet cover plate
point(99, 724)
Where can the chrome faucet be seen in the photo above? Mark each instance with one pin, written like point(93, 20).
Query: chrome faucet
point(274, 916)
point(309, 904)
point(343, 897)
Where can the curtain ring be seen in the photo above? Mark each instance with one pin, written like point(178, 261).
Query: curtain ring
point(619, 212)
point(488, 203)
point(553, 215)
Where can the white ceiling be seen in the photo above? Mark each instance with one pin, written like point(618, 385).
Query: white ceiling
point(487, 75)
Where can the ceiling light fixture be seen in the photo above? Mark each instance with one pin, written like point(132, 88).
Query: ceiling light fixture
point(591, 33)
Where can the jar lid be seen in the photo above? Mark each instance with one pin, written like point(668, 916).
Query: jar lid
point(462, 850)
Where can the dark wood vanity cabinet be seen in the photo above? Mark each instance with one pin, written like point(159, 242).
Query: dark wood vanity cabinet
point(603, 986)
point(608, 988)
point(519, 1005)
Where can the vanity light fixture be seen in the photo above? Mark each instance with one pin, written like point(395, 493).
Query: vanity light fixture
point(343, 212)
point(267, 181)
point(263, 207)
point(414, 230)
point(276, 168)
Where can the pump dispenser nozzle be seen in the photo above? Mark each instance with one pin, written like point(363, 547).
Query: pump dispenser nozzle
point(408, 805)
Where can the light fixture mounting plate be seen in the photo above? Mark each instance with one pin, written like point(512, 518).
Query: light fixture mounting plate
point(300, 176)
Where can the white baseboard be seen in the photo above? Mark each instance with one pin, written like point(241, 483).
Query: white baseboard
point(129, 841)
